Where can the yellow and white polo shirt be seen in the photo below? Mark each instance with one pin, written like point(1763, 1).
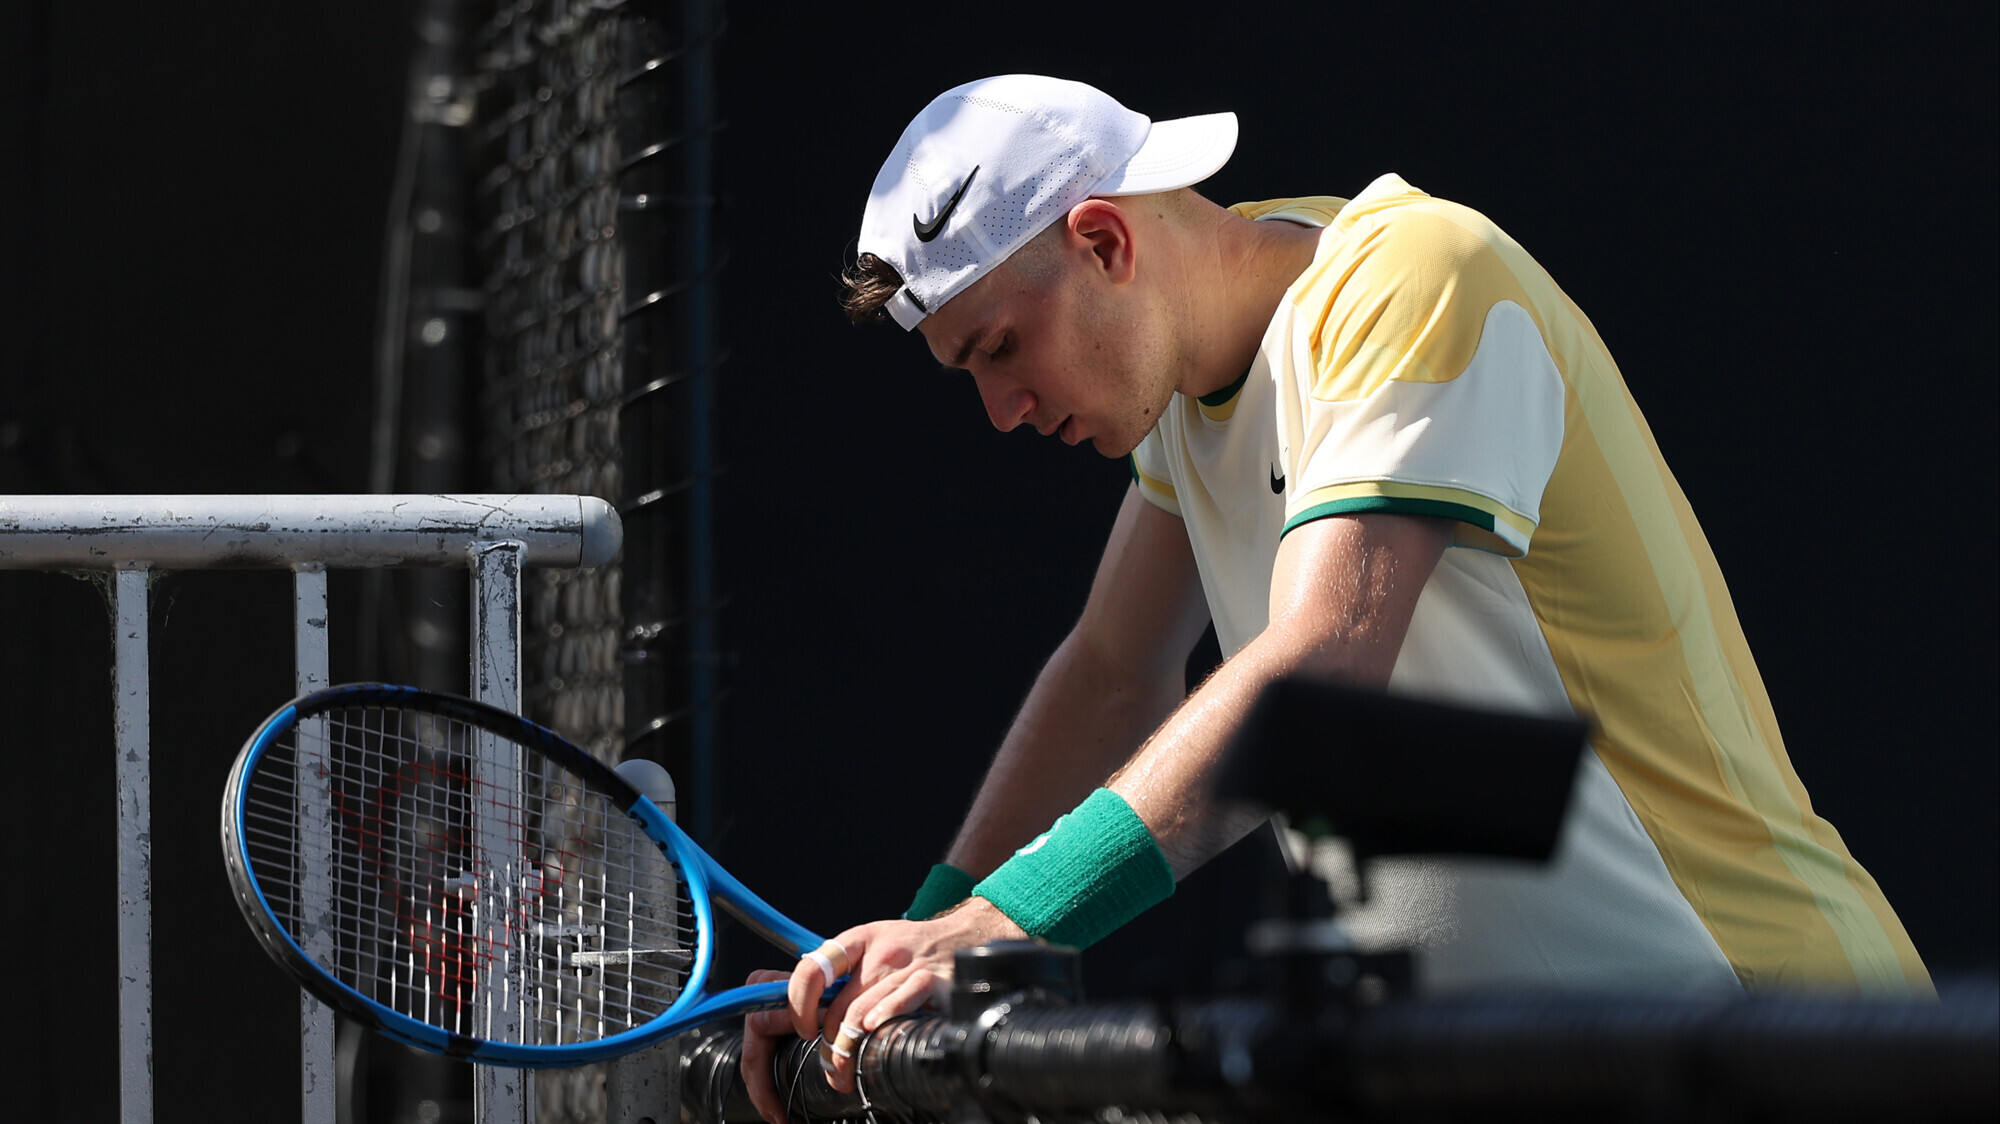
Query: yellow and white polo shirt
point(1425, 364)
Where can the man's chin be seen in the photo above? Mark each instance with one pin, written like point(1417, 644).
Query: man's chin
point(1113, 448)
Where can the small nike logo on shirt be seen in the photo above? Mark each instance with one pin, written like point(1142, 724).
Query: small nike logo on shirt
point(1277, 482)
point(929, 230)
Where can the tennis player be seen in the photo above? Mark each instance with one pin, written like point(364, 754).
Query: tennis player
point(1370, 439)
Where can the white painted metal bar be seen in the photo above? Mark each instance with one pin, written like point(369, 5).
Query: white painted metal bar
point(133, 732)
point(337, 531)
point(496, 622)
point(644, 1087)
point(499, 1095)
point(312, 658)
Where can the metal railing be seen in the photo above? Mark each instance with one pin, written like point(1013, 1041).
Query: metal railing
point(1545, 1057)
point(493, 536)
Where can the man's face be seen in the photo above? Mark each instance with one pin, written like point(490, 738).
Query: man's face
point(1057, 347)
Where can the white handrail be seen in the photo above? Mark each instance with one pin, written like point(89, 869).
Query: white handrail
point(492, 536)
point(337, 531)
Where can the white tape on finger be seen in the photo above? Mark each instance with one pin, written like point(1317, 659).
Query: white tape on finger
point(825, 962)
point(825, 965)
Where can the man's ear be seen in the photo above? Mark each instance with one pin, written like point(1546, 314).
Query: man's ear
point(1103, 228)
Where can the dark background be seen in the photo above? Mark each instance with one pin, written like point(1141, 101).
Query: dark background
point(1784, 228)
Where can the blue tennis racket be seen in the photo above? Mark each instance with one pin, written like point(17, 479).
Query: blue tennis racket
point(466, 881)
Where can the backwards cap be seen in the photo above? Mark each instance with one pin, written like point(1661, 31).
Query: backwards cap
point(990, 164)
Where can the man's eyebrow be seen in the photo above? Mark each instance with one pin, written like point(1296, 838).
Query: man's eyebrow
point(957, 362)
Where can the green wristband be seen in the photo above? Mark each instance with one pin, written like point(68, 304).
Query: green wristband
point(1096, 869)
point(945, 886)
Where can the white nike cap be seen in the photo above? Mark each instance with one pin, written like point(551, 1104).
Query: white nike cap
point(990, 164)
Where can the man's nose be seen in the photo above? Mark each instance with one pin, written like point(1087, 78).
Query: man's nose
point(1008, 403)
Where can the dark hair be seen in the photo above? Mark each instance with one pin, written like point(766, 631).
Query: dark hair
point(867, 285)
point(865, 288)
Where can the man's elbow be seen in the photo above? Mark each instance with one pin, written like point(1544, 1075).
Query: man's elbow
point(1154, 679)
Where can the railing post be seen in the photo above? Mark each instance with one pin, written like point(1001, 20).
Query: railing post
point(499, 1095)
point(130, 670)
point(311, 660)
point(644, 1087)
point(496, 623)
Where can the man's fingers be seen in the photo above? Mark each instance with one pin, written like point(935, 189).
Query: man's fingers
point(815, 972)
point(761, 1032)
point(877, 960)
point(840, 1035)
point(756, 1066)
point(776, 1022)
point(910, 994)
point(856, 991)
point(857, 1012)
point(808, 982)
point(841, 1027)
point(832, 959)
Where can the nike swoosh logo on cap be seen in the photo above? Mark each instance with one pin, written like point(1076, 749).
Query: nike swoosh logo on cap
point(929, 230)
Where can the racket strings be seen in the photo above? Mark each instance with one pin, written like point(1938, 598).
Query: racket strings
point(465, 880)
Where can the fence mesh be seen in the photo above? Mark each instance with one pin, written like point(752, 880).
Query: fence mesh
point(546, 196)
point(592, 132)
point(548, 206)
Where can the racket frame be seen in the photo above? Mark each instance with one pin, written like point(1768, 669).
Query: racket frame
point(703, 881)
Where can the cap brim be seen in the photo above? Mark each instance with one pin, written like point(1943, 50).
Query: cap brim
point(1176, 154)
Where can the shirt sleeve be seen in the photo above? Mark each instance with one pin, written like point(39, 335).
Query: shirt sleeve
point(1425, 386)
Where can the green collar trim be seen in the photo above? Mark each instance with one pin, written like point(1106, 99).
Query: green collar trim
point(1225, 394)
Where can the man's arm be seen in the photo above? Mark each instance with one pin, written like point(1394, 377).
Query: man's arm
point(1118, 673)
point(1342, 595)
point(1116, 676)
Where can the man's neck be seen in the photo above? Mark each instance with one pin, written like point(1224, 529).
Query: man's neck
point(1249, 266)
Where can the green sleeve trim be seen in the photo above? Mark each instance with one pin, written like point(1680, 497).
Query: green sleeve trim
point(1095, 869)
point(1132, 462)
point(1393, 505)
point(945, 886)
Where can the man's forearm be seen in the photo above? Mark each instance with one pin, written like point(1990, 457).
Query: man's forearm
point(1166, 782)
point(1342, 597)
point(1082, 719)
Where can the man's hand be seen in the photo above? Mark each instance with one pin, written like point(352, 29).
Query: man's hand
point(892, 968)
point(1342, 594)
point(762, 1031)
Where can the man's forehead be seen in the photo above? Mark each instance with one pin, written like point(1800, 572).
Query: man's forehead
point(950, 347)
point(956, 326)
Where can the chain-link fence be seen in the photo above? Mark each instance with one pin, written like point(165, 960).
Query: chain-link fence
point(547, 204)
point(591, 134)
